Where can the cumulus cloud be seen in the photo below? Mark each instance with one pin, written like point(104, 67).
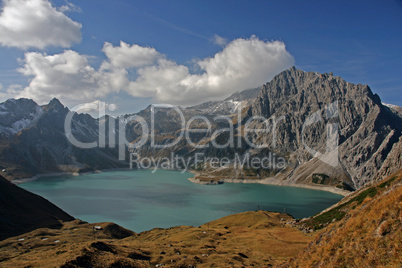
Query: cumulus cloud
point(36, 23)
point(242, 64)
point(126, 56)
point(144, 72)
point(67, 76)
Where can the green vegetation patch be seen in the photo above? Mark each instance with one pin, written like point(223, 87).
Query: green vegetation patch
point(319, 178)
point(387, 183)
point(319, 221)
point(371, 192)
point(337, 213)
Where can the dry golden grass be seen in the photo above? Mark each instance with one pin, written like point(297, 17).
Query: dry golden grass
point(258, 239)
point(369, 235)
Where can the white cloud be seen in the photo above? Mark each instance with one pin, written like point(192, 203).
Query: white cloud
point(242, 64)
point(219, 40)
point(67, 76)
point(144, 72)
point(14, 89)
point(36, 23)
point(126, 56)
point(160, 81)
point(69, 7)
point(10, 92)
point(96, 108)
point(88, 107)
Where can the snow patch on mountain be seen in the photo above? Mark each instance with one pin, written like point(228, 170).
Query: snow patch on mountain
point(14, 120)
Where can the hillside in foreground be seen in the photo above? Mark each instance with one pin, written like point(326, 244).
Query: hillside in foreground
point(367, 231)
point(251, 238)
point(362, 230)
point(22, 211)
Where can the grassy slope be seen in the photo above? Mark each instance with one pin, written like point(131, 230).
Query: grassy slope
point(251, 238)
point(367, 230)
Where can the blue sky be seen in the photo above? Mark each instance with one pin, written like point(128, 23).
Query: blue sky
point(177, 49)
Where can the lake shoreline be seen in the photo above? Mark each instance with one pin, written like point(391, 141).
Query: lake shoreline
point(57, 174)
point(265, 181)
point(141, 200)
point(269, 181)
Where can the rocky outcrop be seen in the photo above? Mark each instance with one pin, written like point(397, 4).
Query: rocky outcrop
point(393, 161)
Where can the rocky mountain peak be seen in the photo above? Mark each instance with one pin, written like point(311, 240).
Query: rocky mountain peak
point(55, 104)
point(18, 105)
point(367, 129)
point(17, 114)
point(304, 88)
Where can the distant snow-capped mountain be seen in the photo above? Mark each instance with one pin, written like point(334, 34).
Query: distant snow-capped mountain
point(16, 115)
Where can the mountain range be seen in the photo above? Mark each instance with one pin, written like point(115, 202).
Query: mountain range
point(308, 109)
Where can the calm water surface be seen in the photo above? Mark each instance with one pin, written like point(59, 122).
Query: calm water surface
point(141, 200)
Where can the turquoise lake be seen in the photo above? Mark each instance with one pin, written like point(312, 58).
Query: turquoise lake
point(141, 200)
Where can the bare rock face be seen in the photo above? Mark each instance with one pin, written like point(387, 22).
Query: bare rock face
point(311, 104)
point(393, 162)
point(394, 108)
